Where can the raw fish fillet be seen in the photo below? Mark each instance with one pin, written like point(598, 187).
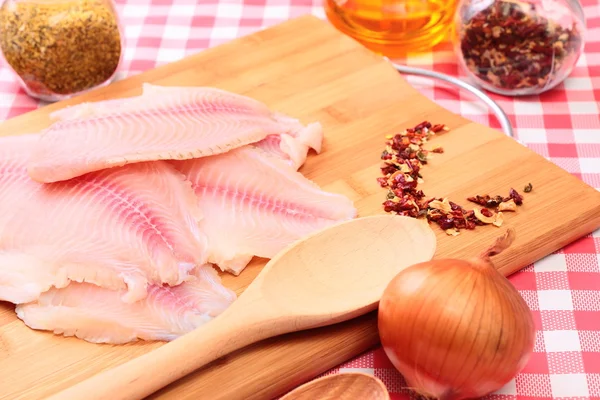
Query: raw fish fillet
point(161, 124)
point(119, 228)
point(13, 153)
point(254, 204)
point(98, 315)
point(293, 147)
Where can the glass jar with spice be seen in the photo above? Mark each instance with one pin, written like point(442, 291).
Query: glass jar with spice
point(61, 48)
point(518, 47)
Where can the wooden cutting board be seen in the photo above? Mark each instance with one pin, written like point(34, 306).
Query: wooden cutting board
point(307, 69)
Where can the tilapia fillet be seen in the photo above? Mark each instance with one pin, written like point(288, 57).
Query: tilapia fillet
point(161, 124)
point(293, 148)
point(120, 228)
point(254, 204)
point(98, 315)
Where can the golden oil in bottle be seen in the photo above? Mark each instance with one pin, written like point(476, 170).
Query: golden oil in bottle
point(393, 27)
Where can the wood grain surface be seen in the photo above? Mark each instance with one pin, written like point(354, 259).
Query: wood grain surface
point(307, 69)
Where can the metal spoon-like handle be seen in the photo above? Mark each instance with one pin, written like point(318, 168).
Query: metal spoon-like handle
point(496, 109)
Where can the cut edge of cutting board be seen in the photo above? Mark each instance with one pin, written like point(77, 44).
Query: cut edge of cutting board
point(292, 359)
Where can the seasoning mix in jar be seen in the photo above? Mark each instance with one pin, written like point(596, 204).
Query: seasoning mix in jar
point(519, 47)
point(61, 48)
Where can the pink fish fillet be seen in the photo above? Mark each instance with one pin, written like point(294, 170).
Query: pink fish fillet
point(254, 204)
point(120, 228)
point(98, 315)
point(174, 123)
point(293, 147)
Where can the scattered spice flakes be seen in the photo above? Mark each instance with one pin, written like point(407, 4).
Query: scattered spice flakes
point(484, 215)
point(509, 205)
point(403, 158)
point(422, 156)
point(498, 219)
point(456, 219)
point(513, 194)
point(486, 200)
point(495, 201)
point(528, 188)
point(60, 47)
point(443, 205)
point(511, 46)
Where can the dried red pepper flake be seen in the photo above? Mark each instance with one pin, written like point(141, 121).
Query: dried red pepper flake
point(388, 169)
point(513, 194)
point(437, 128)
point(486, 200)
point(402, 161)
point(492, 202)
point(486, 212)
point(423, 125)
point(446, 223)
point(511, 46)
point(438, 150)
point(383, 182)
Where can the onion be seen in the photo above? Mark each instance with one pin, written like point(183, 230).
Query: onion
point(456, 329)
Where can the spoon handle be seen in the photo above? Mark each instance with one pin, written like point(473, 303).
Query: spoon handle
point(241, 324)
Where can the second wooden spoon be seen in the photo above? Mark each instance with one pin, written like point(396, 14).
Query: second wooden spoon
point(331, 276)
point(345, 386)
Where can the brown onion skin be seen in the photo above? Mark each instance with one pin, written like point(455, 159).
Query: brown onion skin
point(455, 329)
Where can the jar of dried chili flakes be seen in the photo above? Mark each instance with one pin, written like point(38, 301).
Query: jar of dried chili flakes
point(518, 47)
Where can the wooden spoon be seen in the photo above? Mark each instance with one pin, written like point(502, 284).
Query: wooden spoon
point(346, 386)
point(331, 276)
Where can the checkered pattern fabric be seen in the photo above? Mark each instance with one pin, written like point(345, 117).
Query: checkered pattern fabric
point(563, 290)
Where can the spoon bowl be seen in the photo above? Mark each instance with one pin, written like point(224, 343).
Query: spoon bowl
point(344, 269)
point(333, 275)
point(346, 386)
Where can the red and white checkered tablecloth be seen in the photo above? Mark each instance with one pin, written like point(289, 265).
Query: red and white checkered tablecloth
point(563, 289)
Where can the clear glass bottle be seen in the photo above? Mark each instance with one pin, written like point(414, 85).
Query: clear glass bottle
point(393, 27)
point(61, 48)
point(518, 47)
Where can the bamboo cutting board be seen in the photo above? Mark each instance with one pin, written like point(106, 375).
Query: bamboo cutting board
point(307, 69)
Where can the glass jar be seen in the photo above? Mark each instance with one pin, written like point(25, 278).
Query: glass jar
point(61, 48)
point(393, 28)
point(518, 47)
